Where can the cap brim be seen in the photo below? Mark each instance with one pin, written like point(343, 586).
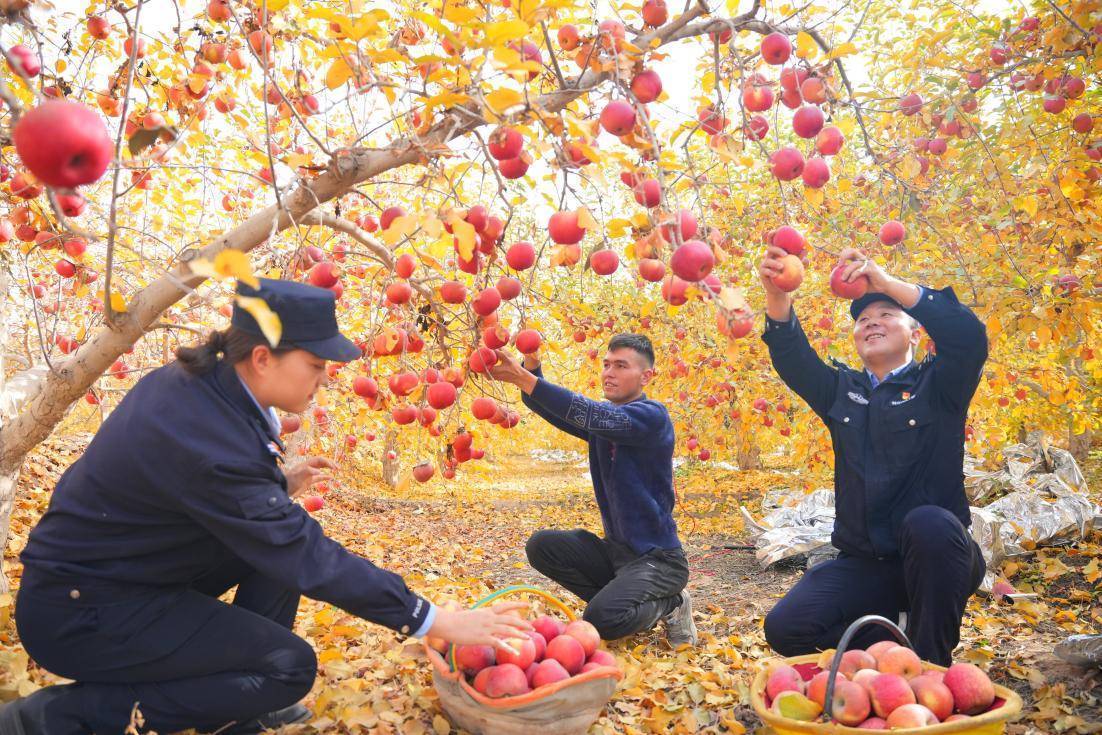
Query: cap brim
point(863, 303)
point(337, 348)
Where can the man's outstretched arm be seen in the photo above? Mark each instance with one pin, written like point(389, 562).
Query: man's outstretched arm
point(793, 357)
point(632, 423)
point(532, 368)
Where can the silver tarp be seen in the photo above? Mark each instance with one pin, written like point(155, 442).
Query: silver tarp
point(1038, 498)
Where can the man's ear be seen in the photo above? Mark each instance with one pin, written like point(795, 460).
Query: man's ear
point(648, 375)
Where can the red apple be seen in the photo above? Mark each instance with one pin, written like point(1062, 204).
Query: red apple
point(646, 86)
point(505, 142)
point(585, 633)
point(910, 104)
point(787, 163)
point(854, 289)
point(564, 228)
point(892, 232)
point(775, 48)
point(618, 117)
point(692, 261)
point(816, 173)
point(604, 262)
point(808, 121)
point(64, 144)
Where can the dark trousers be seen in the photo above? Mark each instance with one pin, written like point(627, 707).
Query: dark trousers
point(626, 593)
point(938, 569)
point(186, 659)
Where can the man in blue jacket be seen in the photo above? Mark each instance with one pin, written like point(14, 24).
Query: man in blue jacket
point(897, 427)
point(636, 574)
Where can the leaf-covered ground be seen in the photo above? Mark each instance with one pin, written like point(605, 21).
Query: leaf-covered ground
point(464, 539)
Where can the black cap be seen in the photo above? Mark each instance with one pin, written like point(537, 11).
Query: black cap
point(308, 316)
point(859, 305)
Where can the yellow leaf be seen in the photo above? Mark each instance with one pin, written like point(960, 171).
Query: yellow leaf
point(813, 196)
point(465, 239)
point(1027, 205)
point(502, 99)
point(118, 303)
point(232, 263)
point(842, 50)
point(445, 99)
point(618, 227)
point(506, 30)
point(806, 48)
point(458, 14)
point(338, 74)
point(585, 220)
point(265, 317)
point(330, 654)
point(399, 228)
point(440, 725)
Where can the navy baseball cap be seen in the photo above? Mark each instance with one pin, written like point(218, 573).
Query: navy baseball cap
point(860, 304)
point(308, 315)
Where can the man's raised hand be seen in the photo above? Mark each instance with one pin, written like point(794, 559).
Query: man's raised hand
point(509, 370)
point(855, 264)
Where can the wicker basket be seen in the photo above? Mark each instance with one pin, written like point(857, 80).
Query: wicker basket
point(1007, 702)
point(566, 707)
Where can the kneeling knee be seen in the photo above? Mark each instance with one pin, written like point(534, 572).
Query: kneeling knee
point(535, 548)
point(785, 635)
point(295, 666)
point(931, 525)
point(610, 624)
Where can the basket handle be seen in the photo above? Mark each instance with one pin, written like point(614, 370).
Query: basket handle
point(861, 622)
point(513, 591)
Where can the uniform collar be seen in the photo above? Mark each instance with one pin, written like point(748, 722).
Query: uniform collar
point(899, 371)
point(239, 394)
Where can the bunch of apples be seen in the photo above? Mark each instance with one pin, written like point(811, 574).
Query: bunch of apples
point(553, 651)
point(884, 687)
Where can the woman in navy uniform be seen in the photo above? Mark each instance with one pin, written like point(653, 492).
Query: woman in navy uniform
point(897, 427)
point(179, 497)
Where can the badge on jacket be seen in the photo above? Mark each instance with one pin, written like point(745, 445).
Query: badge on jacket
point(903, 398)
point(858, 398)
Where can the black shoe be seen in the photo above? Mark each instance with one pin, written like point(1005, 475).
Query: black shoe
point(272, 720)
point(10, 722)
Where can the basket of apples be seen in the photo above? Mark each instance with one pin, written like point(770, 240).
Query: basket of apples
point(886, 687)
point(556, 683)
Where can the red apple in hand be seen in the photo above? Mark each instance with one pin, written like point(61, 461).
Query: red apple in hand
point(64, 144)
point(854, 289)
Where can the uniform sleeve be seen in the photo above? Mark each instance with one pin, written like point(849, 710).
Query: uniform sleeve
point(635, 423)
point(549, 416)
point(799, 366)
point(960, 340)
point(244, 506)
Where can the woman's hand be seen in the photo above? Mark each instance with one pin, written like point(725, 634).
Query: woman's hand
point(301, 475)
point(484, 626)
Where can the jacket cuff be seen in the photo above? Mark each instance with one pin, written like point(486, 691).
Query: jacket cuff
point(931, 301)
point(429, 620)
point(419, 612)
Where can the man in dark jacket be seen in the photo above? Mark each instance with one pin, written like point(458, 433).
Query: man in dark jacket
point(897, 427)
point(636, 574)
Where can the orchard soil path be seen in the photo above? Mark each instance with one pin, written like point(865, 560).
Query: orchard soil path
point(465, 538)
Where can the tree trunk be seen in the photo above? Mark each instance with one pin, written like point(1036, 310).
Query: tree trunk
point(1079, 444)
point(8, 484)
point(71, 376)
point(391, 467)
